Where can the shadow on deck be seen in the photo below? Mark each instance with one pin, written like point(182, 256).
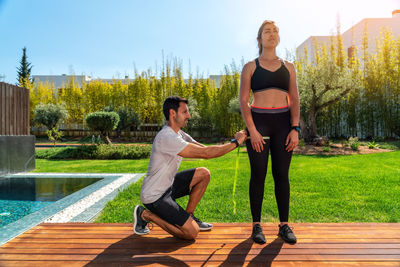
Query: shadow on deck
point(227, 244)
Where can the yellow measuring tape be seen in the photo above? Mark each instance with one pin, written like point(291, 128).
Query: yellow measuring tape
point(235, 179)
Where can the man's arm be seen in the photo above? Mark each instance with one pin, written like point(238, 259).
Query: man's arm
point(198, 144)
point(208, 152)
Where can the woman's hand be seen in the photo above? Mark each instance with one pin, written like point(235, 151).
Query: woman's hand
point(292, 140)
point(257, 141)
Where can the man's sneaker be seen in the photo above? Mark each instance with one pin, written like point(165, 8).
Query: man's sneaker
point(257, 234)
point(139, 225)
point(286, 233)
point(203, 226)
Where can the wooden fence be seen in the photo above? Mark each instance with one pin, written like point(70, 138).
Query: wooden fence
point(14, 110)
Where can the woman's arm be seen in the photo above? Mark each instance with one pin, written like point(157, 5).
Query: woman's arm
point(294, 100)
point(257, 141)
point(244, 96)
point(292, 139)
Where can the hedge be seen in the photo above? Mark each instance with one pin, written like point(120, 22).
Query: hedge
point(96, 152)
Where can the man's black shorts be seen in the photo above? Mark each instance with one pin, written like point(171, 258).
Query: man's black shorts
point(166, 207)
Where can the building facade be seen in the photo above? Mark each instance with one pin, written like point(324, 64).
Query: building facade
point(354, 35)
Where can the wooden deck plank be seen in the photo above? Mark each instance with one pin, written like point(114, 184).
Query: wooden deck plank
point(209, 264)
point(219, 236)
point(134, 245)
point(79, 224)
point(78, 244)
point(202, 251)
point(199, 258)
point(215, 231)
point(211, 241)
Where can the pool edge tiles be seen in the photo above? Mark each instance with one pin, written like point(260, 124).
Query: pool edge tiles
point(80, 211)
point(12, 230)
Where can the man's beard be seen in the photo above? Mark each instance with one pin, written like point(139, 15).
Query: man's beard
point(183, 124)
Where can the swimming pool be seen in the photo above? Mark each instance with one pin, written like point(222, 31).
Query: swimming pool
point(55, 197)
point(22, 196)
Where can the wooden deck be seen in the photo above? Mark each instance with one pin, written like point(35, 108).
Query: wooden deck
point(228, 244)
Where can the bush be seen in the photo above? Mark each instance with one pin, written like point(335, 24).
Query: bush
point(345, 143)
point(354, 144)
point(104, 122)
point(326, 149)
point(96, 152)
point(372, 145)
point(123, 152)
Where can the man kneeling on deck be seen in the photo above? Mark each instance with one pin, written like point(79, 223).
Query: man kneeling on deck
point(162, 184)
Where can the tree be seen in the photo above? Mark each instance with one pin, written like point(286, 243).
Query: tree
point(71, 96)
point(227, 123)
point(195, 119)
point(54, 134)
point(41, 93)
point(379, 112)
point(24, 71)
point(50, 115)
point(104, 122)
point(127, 118)
point(323, 82)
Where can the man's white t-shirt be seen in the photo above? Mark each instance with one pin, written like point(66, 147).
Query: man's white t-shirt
point(164, 163)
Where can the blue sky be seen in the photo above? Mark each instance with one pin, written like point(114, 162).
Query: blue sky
point(108, 38)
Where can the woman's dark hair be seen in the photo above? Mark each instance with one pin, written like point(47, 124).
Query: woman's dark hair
point(172, 102)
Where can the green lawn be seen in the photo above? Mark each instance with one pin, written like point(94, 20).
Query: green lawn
point(356, 188)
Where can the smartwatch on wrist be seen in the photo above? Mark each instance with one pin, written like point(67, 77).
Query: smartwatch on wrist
point(297, 128)
point(235, 141)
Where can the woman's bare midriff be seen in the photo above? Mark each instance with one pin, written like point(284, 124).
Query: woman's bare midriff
point(271, 98)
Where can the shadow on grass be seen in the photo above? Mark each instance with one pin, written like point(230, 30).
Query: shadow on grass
point(137, 251)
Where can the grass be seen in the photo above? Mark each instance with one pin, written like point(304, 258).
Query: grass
point(351, 188)
point(95, 166)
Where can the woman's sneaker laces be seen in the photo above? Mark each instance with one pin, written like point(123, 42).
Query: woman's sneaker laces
point(286, 233)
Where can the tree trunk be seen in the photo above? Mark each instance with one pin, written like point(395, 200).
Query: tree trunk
point(106, 139)
point(311, 126)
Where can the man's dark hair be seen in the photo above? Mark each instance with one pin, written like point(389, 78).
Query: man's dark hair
point(172, 102)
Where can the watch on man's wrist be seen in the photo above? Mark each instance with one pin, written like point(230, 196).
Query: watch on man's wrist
point(297, 128)
point(235, 141)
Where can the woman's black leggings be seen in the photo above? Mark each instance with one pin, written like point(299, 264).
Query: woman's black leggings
point(275, 124)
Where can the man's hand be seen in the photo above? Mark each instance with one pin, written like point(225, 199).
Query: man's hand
point(241, 136)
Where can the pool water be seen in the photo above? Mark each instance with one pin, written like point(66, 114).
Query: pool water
point(22, 196)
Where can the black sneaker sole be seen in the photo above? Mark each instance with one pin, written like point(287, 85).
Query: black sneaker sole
point(205, 229)
point(287, 241)
point(135, 222)
point(261, 242)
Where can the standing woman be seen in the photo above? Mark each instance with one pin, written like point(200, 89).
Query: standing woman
point(272, 123)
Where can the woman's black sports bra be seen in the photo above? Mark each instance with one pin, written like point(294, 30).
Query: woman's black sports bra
point(264, 79)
